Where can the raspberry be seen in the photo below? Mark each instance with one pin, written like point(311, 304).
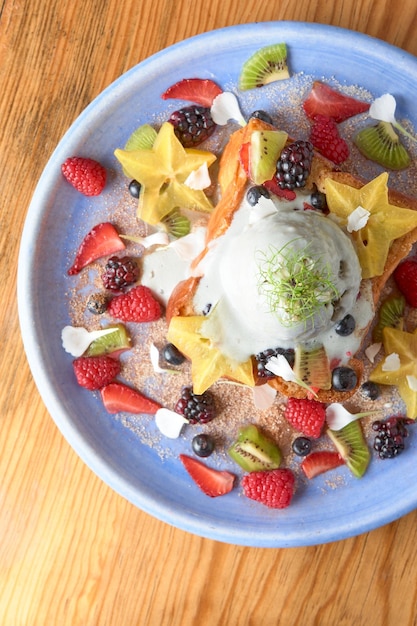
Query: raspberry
point(197, 409)
point(192, 125)
point(95, 372)
point(137, 305)
point(274, 488)
point(306, 416)
point(294, 165)
point(86, 175)
point(120, 273)
point(325, 137)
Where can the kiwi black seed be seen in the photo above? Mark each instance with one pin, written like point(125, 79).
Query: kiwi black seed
point(265, 66)
point(380, 143)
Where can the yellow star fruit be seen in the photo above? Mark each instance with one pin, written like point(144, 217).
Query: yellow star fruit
point(162, 171)
point(386, 221)
point(208, 363)
point(405, 346)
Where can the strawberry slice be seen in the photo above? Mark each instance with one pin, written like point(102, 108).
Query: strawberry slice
point(201, 91)
point(273, 187)
point(118, 397)
point(211, 481)
point(321, 461)
point(323, 100)
point(102, 240)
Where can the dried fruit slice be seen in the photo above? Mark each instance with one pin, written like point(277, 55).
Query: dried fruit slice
point(266, 65)
point(313, 367)
point(391, 314)
point(380, 143)
point(265, 148)
point(253, 451)
point(324, 100)
point(352, 447)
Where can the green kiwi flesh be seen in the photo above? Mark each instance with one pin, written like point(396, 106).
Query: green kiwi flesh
point(312, 367)
point(253, 451)
point(176, 224)
point(391, 314)
point(265, 148)
point(352, 447)
point(380, 143)
point(142, 138)
point(267, 65)
point(116, 341)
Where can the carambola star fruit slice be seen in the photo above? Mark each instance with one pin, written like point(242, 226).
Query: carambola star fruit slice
point(162, 172)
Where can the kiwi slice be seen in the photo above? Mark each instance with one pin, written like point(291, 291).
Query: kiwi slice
point(391, 314)
point(313, 367)
point(265, 148)
point(176, 224)
point(142, 138)
point(380, 143)
point(255, 452)
point(117, 341)
point(267, 65)
point(352, 447)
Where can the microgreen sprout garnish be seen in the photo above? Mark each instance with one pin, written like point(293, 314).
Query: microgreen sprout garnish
point(383, 109)
point(296, 285)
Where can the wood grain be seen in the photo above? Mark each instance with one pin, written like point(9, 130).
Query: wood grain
point(72, 552)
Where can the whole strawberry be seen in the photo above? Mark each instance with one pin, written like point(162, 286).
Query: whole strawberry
point(86, 175)
point(273, 488)
point(325, 138)
point(306, 416)
point(137, 305)
point(95, 372)
point(406, 278)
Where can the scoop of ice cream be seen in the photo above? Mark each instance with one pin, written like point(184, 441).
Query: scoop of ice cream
point(277, 280)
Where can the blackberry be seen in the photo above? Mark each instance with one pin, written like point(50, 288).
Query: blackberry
point(390, 435)
point(254, 193)
point(294, 165)
point(196, 408)
point(120, 273)
point(97, 303)
point(192, 125)
point(263, 357)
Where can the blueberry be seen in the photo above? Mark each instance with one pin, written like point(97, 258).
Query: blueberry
point(346, 326)
point(254, 193)
point(203, 445)
point(172, 355)
point(301, 446)
point(263, 115)
point(370, 390)
point(134, 188)
point(344, 378)
point(318, 201)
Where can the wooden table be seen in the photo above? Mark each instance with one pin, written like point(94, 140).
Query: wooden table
point(71, 550)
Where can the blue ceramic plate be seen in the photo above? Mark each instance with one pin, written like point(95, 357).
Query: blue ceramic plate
point(57, 215)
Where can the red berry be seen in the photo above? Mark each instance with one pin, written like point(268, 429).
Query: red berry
point(321, 461)
point(118, 397)
point(323, 100)
point(95, 372)
point(137, 305)
point(86, 175)
point(325, 138)
point(199, 90)
point(273, 488)
point(306, 416)
point(213, 482)
point(102, 240)
point(405, 276)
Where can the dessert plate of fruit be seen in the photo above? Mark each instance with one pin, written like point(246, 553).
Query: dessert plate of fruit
point(217, 284)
